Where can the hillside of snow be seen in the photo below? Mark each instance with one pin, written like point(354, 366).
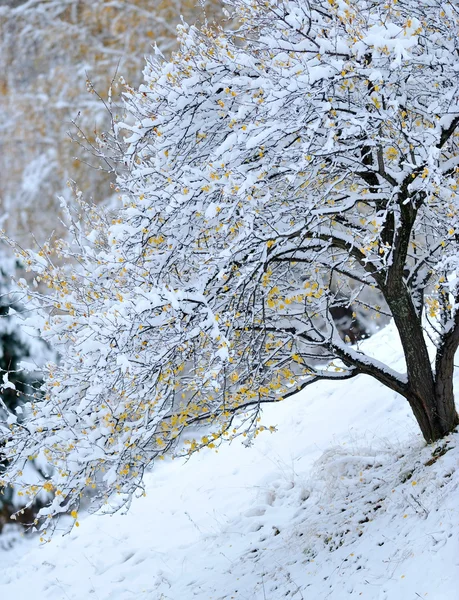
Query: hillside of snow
point(344, 500)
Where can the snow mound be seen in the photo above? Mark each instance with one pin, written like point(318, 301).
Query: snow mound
point(371, 522)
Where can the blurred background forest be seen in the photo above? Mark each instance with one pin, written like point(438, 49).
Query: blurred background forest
point(48, 51)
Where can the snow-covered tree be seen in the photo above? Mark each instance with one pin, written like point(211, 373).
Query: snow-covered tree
point(274, 175)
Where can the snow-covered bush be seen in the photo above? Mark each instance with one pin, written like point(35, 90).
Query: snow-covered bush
point(273, 174)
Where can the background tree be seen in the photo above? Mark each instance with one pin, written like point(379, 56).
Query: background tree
point(273, 175)
point(18, 384)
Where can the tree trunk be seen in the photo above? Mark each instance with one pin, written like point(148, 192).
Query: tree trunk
point(429, 394)
point(436, 415)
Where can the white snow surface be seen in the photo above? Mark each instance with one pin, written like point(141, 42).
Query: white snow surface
point(338, 503)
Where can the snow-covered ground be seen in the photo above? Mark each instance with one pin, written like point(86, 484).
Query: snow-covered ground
point(344, 500)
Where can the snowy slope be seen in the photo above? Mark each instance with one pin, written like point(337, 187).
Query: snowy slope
point(343, 501)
